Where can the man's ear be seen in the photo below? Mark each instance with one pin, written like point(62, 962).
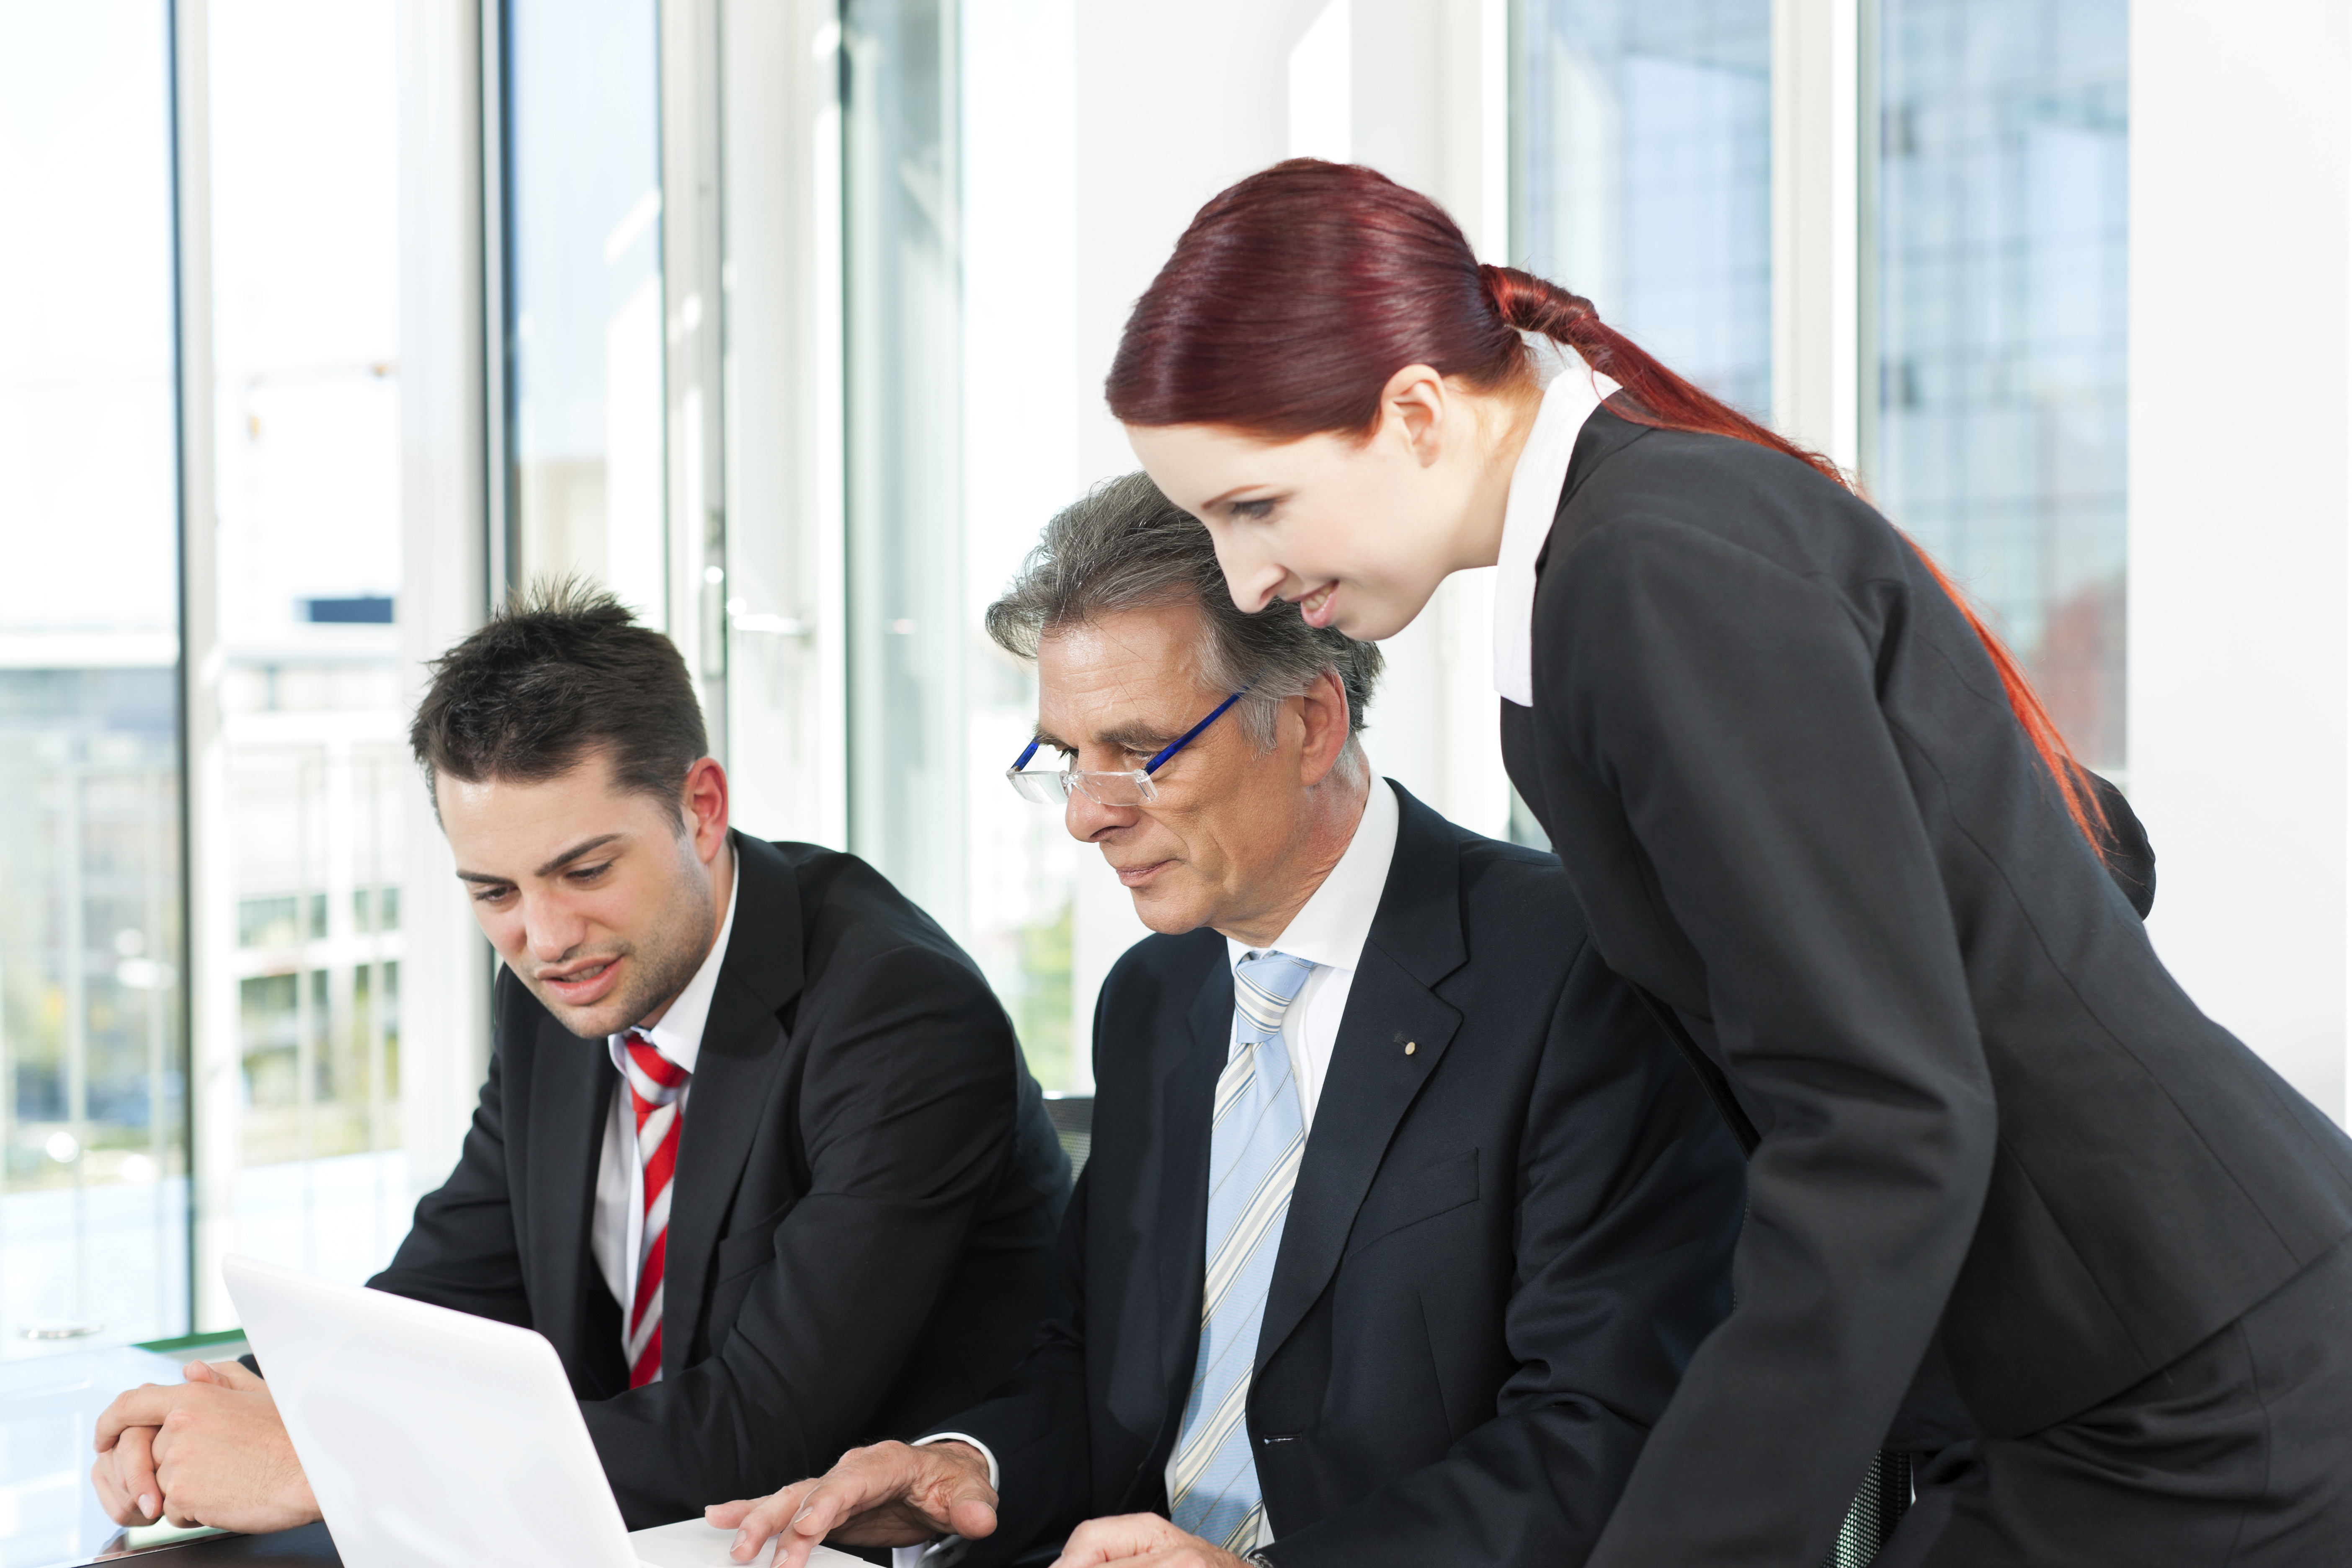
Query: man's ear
point(1323, 710)
point(703, 806)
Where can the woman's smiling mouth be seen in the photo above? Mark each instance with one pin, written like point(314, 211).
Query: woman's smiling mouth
point(1316, 606)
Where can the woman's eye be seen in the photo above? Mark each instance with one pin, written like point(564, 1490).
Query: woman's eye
point(1252, 511)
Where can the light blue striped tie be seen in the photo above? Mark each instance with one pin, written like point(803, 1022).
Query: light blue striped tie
point(1253, 1152)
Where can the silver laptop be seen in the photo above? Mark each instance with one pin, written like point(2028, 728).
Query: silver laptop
point(433, 1438)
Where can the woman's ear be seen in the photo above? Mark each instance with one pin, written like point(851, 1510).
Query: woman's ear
point(1419, 405)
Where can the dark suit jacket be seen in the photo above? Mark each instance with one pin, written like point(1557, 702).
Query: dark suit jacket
point(861, 1226)
point(1501, 1250)
point(2006, 1164)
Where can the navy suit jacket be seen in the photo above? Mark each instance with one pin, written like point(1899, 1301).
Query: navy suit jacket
point(862, 1222)
point(1503, 1247)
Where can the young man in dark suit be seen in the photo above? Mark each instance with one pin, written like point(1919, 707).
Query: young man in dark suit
point(1403, 1216)
point(758, 1154)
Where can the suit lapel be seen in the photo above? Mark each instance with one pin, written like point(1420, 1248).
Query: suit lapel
point(1415, 941)
point(741, 1051)
point(571, 1083)
point(1187, 1098)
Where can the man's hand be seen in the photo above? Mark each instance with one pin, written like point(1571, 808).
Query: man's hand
point(1140, 1540)
point(124, 1477)
point(887, 1495)
point(212, 1451)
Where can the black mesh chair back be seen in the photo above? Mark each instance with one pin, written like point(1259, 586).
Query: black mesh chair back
point(1073, 1116)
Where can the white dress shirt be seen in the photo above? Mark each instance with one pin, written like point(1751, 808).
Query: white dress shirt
point(1329, 931)
point(1571, 392)
point(616, 1234)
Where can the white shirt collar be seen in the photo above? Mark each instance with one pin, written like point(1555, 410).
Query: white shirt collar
point(679, 1036)
point(1570, 394)
point(1332, 927)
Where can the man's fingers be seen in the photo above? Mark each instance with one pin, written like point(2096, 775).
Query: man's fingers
point(760, 1518)
point(973, 1515)
point(229, 1374)
point(145, 1405)
point(1117, 1539)
point(727, 1515)
point(122, 1503)
point(134, 1471)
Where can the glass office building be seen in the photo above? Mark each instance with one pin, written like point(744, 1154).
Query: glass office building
point(1641, 175)
point(93, 1091)
point(1994, 374)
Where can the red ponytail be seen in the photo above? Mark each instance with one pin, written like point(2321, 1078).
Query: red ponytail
point(1296, 293)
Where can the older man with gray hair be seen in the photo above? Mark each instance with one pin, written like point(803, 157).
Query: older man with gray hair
point(1404, 1217)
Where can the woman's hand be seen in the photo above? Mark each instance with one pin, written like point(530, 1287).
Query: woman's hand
point(1140, 1540)
point(887, 1495)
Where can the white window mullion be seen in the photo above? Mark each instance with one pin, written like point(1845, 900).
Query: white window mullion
point(1816, 251)
point(213, 1069)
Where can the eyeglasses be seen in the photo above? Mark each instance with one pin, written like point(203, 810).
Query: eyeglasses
point(1131, 788)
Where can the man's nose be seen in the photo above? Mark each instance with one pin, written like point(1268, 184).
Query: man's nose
point(549, 930)
point(1087, 818)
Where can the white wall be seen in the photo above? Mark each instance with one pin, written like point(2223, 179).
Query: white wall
point(2241, 411)
point(1174, 103)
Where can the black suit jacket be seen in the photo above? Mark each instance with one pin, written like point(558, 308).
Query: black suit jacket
point(2007, 1164)
point(1501, 1250)
point(862, 1222)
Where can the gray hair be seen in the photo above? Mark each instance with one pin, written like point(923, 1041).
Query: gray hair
point(1125, 546)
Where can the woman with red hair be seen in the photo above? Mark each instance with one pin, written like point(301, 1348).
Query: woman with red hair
point(2016, 1206)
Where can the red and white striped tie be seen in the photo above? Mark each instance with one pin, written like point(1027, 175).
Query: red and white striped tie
point(656, 1085)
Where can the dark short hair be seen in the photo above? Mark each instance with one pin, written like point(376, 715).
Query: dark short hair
point(563, 671)
point(1125, 546)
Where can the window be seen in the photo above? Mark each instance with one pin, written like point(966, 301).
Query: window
point(961, 419)
point(306, 417)
point(1996, 434)
point(94, 1185)
point(584, 230)
point(1641, 175)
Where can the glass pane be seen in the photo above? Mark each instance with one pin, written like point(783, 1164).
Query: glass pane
point(1641, 175)
point(1021, 414)
point(306, 339)
point(1999, 325)
point(909, 625)
point(959, 190)
point(93, 1197)
point(584, 237)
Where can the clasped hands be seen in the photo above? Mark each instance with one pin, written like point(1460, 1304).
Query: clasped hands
point(895, 1495)
point(214, 1451)
point(210, 1451)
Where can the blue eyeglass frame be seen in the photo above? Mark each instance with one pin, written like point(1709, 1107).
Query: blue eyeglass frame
point(1166, 752)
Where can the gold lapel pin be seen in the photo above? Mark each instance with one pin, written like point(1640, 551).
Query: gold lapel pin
point(1408, 1047)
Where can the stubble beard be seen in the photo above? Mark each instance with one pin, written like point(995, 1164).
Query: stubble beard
point(675, 947)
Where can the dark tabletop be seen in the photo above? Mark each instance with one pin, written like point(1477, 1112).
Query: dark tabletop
point(309, 1544)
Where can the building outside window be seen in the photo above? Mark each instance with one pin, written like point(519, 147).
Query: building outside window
point(961, 409)
point(583, 253)
point(306, 419)
point(93, 1151)
point(1994, 378)
point(1641, 175)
